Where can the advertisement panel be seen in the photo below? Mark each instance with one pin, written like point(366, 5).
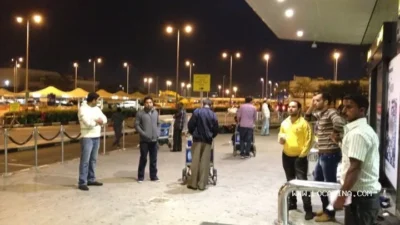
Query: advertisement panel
point(393, 113)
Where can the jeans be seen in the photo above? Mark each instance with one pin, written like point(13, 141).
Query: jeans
point(363, 210)
point(87, 165)
point(246, 138)
point(265, 127)
point(325, 171)
point(150, 148)
point(177, 140)
point(296, 167)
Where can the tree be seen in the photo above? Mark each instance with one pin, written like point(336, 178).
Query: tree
point(302, 87)
point(339, 90)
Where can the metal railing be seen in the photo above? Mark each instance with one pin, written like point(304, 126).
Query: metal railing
point(299, 185)
point(61, 133)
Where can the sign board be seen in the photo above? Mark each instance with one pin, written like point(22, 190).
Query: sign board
point(14, 107)
point(201, 82)
point(392, 147)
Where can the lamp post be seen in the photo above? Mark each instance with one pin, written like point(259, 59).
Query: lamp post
point(266, 58)
point(35, 19)
point(98, 60)
point(76, 74)
point(188, 29)
point(16, 66)
point(262, 87)
point(190, 65)
point(126, 65)
point(148, 80)
point(235, 90)
point(336, 56)
point(168, 83)
point(225, 55)
point(270, 88)
point(219, 90)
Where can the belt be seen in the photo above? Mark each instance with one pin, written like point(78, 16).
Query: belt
point(330, 151)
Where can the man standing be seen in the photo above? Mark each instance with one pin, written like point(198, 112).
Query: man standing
point(247, 116)
point(360, 164)
point(203, 126)
point(146, 124)
point(296, 137)
point(117, 119)
point(266, 115)
point(179, 123)
point(329, 123)
point(91, 119)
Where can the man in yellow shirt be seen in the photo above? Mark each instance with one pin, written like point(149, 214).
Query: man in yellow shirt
point(296, 137)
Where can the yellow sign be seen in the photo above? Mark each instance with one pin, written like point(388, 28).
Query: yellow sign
point(14, 107)
point(201, 82)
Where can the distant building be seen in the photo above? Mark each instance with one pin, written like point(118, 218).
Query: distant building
point(39, 79)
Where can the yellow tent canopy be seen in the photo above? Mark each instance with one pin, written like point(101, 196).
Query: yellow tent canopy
point(137, 95)
point(121, 94)
point(46, 91)
point(6, 93)
point(104, 94)
point(77, 93)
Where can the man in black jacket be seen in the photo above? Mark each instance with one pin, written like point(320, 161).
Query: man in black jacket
point(179, 124)
point(203, 126)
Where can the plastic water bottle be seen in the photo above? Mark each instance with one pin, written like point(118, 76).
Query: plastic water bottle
point(384, 200)
point(188, 155)
point(189, 141)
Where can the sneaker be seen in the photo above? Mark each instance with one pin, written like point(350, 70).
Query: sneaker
point(140, 181)
point(324, 218)
point(309, 215)
point(83, 187)
point(94, 183)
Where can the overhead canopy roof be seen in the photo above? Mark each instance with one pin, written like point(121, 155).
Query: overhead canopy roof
point(333, 21)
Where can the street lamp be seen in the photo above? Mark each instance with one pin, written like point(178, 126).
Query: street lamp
point(6, 83)
point(270, 88)
point(168, 83)
point(219, 89)
point(336, 56)
point(266, 58)
point(16, 66)
point(188, 29)
point(35, 19)
point(190, 65)
point(235, 90)
point(98, 60)
point(225, 55)
point(126, 65)
point(76, 74)
point(182, 88)
point(148, 81)
point(262, 87)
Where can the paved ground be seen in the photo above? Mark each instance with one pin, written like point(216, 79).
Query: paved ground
point(246, 192)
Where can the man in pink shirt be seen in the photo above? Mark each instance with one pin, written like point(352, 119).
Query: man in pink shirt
point(246, 115)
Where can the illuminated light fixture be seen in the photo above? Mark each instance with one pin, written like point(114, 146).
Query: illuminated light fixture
point(280, 0)
point(289, 13)
point(300, 33)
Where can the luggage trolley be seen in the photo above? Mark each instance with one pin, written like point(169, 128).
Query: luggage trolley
point(186, 172)
point(236, 143)
point(165, 134)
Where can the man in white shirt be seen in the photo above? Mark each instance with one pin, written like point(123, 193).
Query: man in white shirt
point(266, 115)
point(91, 119)
point(360, 164)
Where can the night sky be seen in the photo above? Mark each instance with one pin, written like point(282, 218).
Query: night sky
point(134, 31)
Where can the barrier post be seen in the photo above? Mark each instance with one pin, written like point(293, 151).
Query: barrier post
point(35, 132)
point(123, 135)
point(104, 139)
point(62, 143)
point(5, 152)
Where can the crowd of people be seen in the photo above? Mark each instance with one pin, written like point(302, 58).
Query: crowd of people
point(342, 137)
